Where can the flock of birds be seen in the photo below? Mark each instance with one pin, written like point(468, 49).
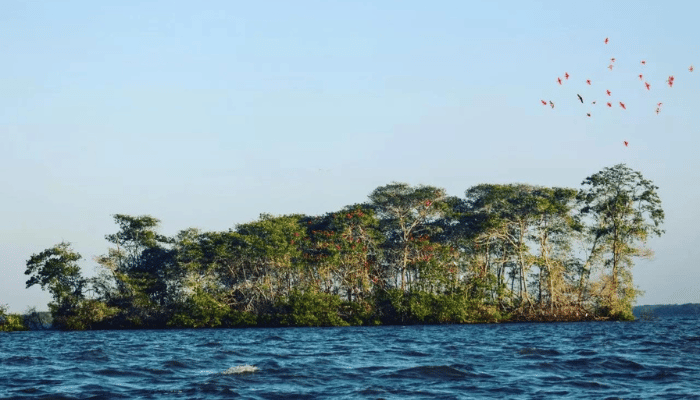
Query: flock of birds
point(622, 105)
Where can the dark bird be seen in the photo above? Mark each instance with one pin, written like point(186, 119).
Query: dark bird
point(647, 85)
point(626, 143)
point(608, 92)
point(589, 114)
point(551, 104)
point(579, 97)
point(623, 105)
point(559, 80)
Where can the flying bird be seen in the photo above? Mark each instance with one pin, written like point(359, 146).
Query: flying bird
point(612, 59)
point(593, 102)
point(589, 114)
point(690, 69)
point(588, 81)
point(608, 92)
point(559, 80)
point(566, 75)
point(606, 40)
point(579, 97)
point(551, 104)
point(644, 62)
point(609, 104)
point(626, 143)
point(660, 104)
point(647, 85)
point(544, 103)
point(623, 105)
point(640, 77)
point(657, 110)
point(610, 66)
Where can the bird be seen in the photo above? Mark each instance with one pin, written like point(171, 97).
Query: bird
point(610, 66)
point(559, 80)
point(657, 110)
point(589, 114)
point(593, 102)
point(580, 98)
point(544, 103)
point(623, 105)
point(566, 75)
point(690, 69)
point(644, 62)
point(608, 92)
point(609, 104)
point(640, 77)
point(606, 40)
point(647, 85)
point(659, 104)
point(551, 104)
point(626, 143)
point(612, 59)
point(588, 81)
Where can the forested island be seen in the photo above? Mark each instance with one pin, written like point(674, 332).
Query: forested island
point(409, 255)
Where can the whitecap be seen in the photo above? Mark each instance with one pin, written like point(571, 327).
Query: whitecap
point(241, 369)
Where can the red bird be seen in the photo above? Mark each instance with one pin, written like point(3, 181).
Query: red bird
point(647, 85)
point(544, 103)
point(566, 75)
point(608, 92)
point(610, 66)
point(559, 80)
point(660, 104)
point(623, 105)
point(609, 104)
point(606, 40)
point(588, 81)
point(626, 143)
point(640, 77)
point(670, 81)
point(690, 69)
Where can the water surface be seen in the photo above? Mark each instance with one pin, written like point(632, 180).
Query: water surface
point(596, 360)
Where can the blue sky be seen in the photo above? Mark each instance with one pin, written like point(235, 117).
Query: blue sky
point(207, 114)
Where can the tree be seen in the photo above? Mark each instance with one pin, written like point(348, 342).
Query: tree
point(622, 210)
point(406, 214)
point(143, 268)
point(56, 268)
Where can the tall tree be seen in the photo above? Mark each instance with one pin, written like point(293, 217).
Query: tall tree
point(622, 210)
point(406, 213)
point(57, 269)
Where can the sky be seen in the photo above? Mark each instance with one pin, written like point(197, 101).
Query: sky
point(207, 114)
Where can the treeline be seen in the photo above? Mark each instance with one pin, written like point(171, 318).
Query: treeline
point(410, 254)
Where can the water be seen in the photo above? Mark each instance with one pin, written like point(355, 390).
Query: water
point(644, 359)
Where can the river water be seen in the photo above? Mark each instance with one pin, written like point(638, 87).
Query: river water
point(597, 360)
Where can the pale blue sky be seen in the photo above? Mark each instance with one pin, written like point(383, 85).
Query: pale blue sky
point(206, 114)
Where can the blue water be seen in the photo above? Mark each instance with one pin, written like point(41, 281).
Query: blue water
point(597, 360)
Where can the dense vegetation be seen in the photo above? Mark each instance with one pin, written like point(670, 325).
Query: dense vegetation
point(408, 255)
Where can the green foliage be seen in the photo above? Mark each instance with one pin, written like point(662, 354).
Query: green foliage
point(57, 269)
point(409, 255)
point(11, 322)
point(311, 309)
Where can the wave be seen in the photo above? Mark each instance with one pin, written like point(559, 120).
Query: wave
point(241, 369)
